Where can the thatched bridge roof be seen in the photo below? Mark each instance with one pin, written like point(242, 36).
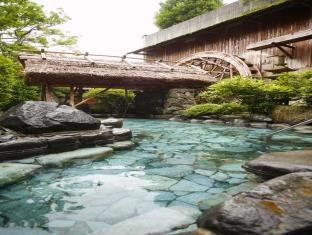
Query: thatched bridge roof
point(65, 71)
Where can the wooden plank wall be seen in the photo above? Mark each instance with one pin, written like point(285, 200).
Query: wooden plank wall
point(234, 38)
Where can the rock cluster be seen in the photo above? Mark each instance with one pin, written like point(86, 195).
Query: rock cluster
point(276, 164)
point(280, 206)
point(37, 117)
point(52, 129)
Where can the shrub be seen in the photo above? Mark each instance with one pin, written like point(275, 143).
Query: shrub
point(111, 101)
point(13, 90)
point(209, 108)
point(261, 97)
point(299, 85)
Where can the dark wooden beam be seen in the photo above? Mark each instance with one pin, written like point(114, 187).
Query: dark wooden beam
point(285, 39)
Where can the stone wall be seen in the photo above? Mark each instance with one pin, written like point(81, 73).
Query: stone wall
point(178, 100)
point(170, 102)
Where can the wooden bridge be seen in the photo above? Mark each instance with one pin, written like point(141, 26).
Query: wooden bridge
point(55, 69)
point(66, 71)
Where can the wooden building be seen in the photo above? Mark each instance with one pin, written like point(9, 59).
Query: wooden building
point(265, 36)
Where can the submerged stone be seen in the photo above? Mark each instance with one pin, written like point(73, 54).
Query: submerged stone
point(232, 167)
point(279, 206)
point(200, 179)
point(279, 163)
point(180, 160)
point(119, 211)
point(156, 221)
point(174, 171)
point(220, 176)
point(159, 183)
point(204, 172)
point(11, 173)
point(61, 159)
point(164, 196)
point(121, 145)
point(212, 201)
point(194, 198)
point(188, 186)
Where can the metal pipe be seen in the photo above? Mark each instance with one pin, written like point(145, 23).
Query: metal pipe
point(268, 137)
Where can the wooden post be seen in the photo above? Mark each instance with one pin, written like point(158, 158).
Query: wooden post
point(46, 92)
point(72, 96)
point(43, 92)
point(49, 94)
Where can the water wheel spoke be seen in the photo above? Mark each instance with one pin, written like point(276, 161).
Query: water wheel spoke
point(218, 64)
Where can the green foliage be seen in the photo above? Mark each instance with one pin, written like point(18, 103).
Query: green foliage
point(7, 77)
point(111, 101)
point(175, 11)
point(299, 85)
point(209, 108)
point(24, 24)
point(261, 97)
point(12, 87)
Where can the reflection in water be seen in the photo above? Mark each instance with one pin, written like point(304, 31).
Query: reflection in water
point(176, 169)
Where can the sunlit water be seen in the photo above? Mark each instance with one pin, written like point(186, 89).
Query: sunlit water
point(174, 166)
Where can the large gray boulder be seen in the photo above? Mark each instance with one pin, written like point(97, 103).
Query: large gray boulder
point(36, 117)
point(280, 206)
point(275, 164)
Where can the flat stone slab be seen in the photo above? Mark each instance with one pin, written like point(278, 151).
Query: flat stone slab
point(61, 159)
point(177, 171)
point(280, 206)
point(14, 172)
point(121, 145)
point(188, 186)
point(156, 221)
point(280, 163)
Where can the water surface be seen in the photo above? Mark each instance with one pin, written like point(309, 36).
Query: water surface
point(174, 167)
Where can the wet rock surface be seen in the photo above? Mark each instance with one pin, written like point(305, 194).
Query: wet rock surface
point(122, 134)
point(104, 196)
point(35, 117)
point(14, 172)
point(112, 122)
point(280, 206)
point(62, 159)
point(280, 163)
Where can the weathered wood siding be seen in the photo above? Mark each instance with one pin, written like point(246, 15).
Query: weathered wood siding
point(234, 37)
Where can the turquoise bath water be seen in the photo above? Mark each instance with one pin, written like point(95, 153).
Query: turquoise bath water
point(175, 170)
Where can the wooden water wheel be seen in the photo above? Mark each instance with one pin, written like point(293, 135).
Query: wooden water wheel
point(218, 65)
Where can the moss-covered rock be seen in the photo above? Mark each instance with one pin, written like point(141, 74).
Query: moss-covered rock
point(291, 114)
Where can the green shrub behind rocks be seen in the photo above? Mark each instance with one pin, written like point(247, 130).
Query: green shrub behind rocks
point(113, 101)
point(209, 109)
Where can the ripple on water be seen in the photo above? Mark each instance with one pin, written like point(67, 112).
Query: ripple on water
point(175, 168)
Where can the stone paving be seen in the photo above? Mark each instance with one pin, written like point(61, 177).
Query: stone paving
point(175, 170)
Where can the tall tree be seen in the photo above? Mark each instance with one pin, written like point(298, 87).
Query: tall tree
point(175, 11)
point(25, 25)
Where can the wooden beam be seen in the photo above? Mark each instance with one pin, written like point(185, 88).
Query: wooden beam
point(281, 47)
point(46, 92)
point(285, 39)
point(86, 100)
